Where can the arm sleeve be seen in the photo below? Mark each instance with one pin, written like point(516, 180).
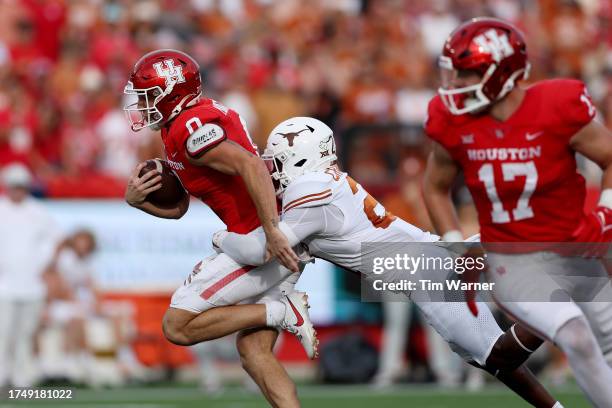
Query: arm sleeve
point(297, 224)
point(247, 249)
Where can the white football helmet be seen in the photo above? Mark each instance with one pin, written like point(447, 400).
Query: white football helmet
point(296, 146)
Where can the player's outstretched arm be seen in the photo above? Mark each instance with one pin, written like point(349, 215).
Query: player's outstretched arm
point(139, 187)
point(230, 158)
point(440, 174)
point(595, 142)
point(246, 249)
point(297, 225)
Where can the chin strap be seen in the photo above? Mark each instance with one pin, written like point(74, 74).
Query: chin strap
point(509, 84)
point(179, 107)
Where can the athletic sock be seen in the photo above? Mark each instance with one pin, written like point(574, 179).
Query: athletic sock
point(275, 313)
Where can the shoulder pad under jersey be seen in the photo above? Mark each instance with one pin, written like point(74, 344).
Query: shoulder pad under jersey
point(312, 189)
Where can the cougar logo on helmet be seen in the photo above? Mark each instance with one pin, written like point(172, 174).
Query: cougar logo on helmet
point(172, 73)
point(495, 44)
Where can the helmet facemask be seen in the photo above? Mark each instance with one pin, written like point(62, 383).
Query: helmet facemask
point(143, 112)
point(286, 165)
point(276, 162)
point(466, 99)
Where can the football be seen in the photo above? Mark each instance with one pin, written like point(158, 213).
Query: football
point(171, 191)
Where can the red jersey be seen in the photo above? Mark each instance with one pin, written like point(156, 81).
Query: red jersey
point(521, 172)
point(196, 130)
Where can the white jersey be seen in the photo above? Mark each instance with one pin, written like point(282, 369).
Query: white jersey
point(333, 215)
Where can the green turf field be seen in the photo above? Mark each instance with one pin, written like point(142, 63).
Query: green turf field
point(311, 396)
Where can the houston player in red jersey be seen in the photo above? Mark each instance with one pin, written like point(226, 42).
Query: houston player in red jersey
point(210, 149)
point(516, 147)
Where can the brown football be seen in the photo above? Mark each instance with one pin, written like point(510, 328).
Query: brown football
point(171, 191)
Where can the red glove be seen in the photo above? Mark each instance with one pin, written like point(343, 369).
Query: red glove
point(595, 227)
point(595, 233)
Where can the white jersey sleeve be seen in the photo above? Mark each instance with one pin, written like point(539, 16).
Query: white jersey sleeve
point(247, 249)
point(297, 224)
point(310, 190)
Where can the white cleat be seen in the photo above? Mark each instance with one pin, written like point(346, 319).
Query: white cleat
point(297, 322)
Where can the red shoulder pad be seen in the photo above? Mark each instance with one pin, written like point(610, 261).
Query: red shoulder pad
point(573, 105)
point(198, 129)
point(202, 137)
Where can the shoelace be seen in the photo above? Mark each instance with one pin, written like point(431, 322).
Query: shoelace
point(291, 330)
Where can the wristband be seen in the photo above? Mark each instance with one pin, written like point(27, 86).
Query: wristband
point(455, 242)
point(605, 200)
point(218, 237)
point(453, 236)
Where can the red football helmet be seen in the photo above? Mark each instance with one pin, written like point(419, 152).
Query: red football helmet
point(491, 48)
point(165, 81)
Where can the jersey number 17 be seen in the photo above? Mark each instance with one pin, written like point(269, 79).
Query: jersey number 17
point(510, 171)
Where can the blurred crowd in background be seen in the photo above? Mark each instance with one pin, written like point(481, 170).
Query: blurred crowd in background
point(352, 63)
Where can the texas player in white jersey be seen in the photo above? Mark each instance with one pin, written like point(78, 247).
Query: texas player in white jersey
point(332, 215)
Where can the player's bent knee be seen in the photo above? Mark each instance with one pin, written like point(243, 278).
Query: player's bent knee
point(575, 337)
point(509, 352)
point(174, 329)
point(173, 334)
point(503, 359)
